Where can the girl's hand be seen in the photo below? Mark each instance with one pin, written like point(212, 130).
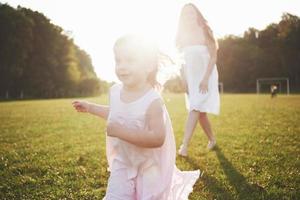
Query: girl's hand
point(204, 86)
point(113, 128)
point(81, 106)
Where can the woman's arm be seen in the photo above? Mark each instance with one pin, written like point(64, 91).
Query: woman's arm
point(211, 63)
point(152, 137)
point(183, 80)
point(88, 107)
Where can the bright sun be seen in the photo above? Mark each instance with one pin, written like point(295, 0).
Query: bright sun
point(154, 19)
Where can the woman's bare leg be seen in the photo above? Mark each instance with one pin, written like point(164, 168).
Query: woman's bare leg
point(205, 124)
point(189, 130)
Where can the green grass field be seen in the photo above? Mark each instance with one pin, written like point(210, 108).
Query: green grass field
point(49, 151)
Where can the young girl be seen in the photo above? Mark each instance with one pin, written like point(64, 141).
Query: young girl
point(199, 47)
point(140, 145)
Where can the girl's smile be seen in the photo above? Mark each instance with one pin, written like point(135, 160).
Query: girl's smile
point(122, 75)
point(129, 67)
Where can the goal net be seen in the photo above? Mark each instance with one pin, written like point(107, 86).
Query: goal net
point(263, 85)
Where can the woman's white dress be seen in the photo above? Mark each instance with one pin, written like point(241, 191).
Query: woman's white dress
point(196, 59)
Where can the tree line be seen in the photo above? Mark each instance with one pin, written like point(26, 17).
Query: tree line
point(38, 60)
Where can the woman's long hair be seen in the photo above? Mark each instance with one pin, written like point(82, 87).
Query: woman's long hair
point(210, 40)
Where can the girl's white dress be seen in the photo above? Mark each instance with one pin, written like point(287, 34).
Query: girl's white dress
point(138, 173)
point(196, 59)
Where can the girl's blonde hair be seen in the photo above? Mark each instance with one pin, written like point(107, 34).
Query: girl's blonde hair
point(149, 51)
point(211, 41)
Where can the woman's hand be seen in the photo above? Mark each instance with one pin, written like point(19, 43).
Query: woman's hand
point(81, 106)
point(204, 85)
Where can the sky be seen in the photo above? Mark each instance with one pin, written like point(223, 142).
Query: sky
point(96, 24)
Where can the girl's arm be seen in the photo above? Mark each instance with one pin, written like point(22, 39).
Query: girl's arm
point(99, 110)
point(153, 137)
point(95, 109)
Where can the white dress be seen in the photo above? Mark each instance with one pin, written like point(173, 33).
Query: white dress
point(196, 59)
point(139, 173)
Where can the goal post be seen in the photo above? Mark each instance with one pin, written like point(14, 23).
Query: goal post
point(280, 82)
point(221, 87)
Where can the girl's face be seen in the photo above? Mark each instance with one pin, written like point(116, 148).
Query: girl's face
point(189, 16)
point(130, 68)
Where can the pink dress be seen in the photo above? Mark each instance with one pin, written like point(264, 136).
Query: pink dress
point(139, 173)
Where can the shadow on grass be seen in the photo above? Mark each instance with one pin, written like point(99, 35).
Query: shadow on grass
point(221, 190)
point(209, 183)
point(244, 190)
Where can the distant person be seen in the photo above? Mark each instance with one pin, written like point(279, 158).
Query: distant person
point(273, 91)
point(140, 144)
point(195, 39)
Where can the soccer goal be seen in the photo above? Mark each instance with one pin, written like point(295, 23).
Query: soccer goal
point(264, 84)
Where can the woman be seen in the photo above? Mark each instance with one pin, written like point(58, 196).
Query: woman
point(199, 47)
